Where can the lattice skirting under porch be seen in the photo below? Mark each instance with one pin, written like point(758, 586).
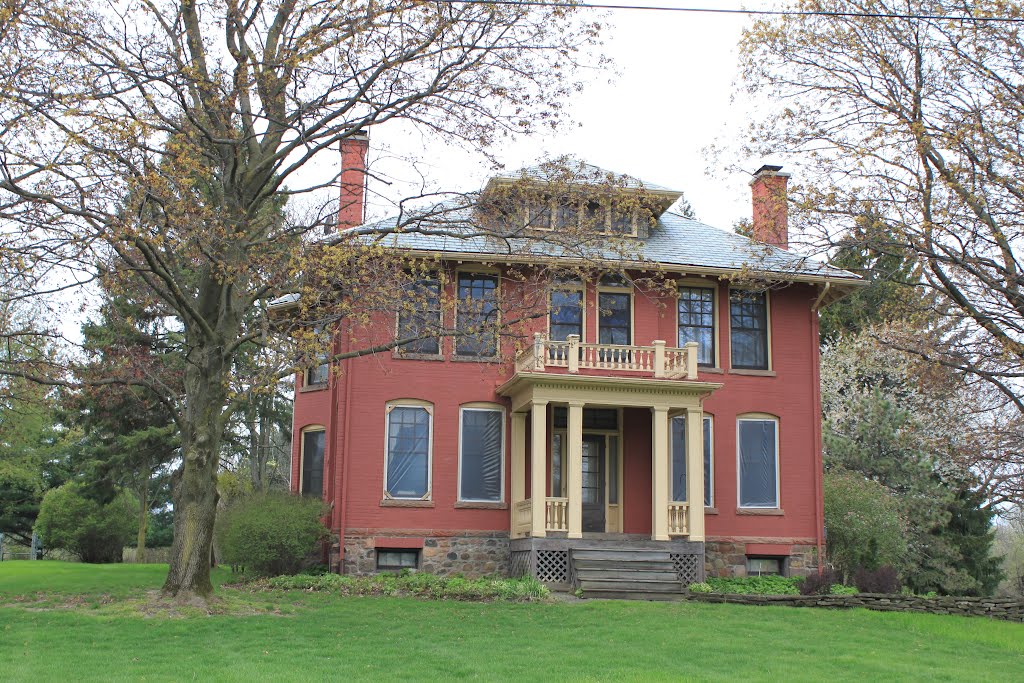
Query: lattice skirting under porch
point(549, 559)
point(689, 567)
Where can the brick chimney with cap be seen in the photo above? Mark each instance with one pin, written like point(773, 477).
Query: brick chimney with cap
point(352, 207)
point(771, 213)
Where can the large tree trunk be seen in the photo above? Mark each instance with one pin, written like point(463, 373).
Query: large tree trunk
point(140, 542)
point(195, 487)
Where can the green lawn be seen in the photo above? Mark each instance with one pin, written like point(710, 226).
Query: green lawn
point(68, 621)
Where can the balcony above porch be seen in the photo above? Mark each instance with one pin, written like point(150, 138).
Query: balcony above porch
point(571, 357)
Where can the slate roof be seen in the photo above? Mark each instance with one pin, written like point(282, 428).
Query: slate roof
point(674, 241)
point(582, 173)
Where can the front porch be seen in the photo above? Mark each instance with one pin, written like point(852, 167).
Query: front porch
point(554, 560)
point(577, 482)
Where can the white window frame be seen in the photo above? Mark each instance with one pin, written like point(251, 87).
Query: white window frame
point(497, 275)
point(624, 288)
point(483, 407)
point(710, 473)
point(400, 351)
point(758, 417)
point(768, 331)
point(302, 454)
point(429, 408)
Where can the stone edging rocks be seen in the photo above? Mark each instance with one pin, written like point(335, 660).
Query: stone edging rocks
point(1007, 609)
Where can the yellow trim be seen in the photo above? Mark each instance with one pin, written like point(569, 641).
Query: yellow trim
point(481, 406)
point(704, 283)
point(711, 470)
point(302, 449)
point(767, 322)
point(410, 403)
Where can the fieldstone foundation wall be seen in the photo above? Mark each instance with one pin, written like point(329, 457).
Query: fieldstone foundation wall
point(729, 558)
point(470, 553)
point(1008, 609)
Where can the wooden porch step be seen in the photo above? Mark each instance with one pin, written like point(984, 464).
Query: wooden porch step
point(632, 595)
point(620, 555)
point(618, 573)
point(630, 565)
point(628, 585)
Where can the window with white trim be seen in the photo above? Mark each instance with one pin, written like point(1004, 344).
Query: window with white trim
point(679, 460)
point(481, 454)
point(313, 442)
point(757, 441)
point(408, 438)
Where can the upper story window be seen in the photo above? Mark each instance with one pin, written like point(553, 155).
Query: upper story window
point(615, 311)
point(476, 318)
point(408, 451)
point(312, 471)
point(758, 454)
point(566, 312)
point(481, 454)
point(421, 315)
point(748, 321)
point(318, 374)
point(697, 321)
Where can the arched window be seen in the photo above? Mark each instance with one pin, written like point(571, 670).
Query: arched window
point(311, 473)
point(408, 437)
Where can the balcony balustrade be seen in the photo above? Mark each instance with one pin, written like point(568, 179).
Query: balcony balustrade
point(656, 360)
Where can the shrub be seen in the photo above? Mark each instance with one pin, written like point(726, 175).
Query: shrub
point(70, 521)
point(881, 580)
point(755, 585)
point(840, 589)
point(272, 533)
point(865, 527)
point(702, 587)
point(419, 584)
point(819, 584)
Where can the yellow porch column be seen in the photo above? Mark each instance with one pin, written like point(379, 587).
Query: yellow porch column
point(518, 452)
point(538, 465)
point(575, 469)
point(660, 478)
point(695, 473)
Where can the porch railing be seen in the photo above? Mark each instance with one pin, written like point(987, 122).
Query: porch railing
point(657, 360)
point(556, 514)
point(678, 519)
point(521, 518)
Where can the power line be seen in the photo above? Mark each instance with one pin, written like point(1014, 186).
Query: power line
point(748, 12)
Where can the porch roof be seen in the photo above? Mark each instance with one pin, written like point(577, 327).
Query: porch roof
point(525, 387)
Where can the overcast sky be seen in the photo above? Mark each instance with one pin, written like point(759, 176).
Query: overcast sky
point(671, 98)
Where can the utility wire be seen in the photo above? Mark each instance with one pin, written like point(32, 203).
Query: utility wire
point(748, 12)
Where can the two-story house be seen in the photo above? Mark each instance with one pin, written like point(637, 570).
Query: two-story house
point(632, 439)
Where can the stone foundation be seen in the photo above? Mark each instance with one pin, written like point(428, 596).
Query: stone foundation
point(471, 553)
point(729, 558)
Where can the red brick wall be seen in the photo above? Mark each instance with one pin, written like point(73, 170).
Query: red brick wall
point(790, 395)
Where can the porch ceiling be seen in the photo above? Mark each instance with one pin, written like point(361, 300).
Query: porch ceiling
point(611, 391)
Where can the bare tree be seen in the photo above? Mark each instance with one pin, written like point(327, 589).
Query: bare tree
point(911, 121)
point(175, 141)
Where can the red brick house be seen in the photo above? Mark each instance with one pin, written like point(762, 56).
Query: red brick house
point(636, 441)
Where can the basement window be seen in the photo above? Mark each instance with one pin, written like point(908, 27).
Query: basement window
point(765, 566)
point(397, 558)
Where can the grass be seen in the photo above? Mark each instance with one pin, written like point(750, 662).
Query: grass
point(293, 635)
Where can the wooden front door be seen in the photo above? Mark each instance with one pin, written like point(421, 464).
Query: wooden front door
point(593, 482)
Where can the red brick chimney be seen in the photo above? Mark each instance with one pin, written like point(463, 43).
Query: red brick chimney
point(351, 210)
point(771, 214)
